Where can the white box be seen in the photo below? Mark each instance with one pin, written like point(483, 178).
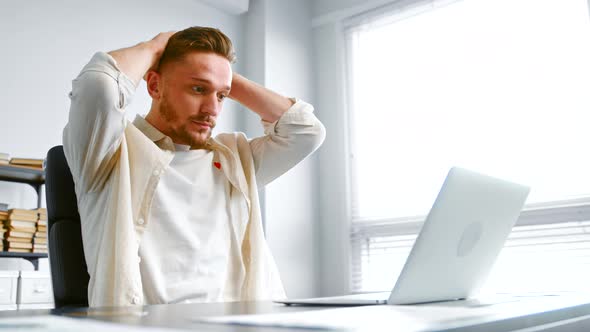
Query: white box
point(15, 264)
point(34, 287)
point(8, 307)
point(8, 289)
point(43, 265)
point(36, 306)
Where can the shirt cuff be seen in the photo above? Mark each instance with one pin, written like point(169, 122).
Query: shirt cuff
point(300, 113)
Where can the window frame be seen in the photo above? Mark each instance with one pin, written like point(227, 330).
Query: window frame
point(361, 229)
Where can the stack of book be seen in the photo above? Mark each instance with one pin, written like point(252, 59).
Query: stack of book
point(27, 162)
point(40, 239)
point(21, 227)
point(4, 158)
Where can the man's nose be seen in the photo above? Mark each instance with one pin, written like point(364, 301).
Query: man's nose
point(211, 105)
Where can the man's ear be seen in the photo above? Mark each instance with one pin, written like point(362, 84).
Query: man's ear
point(154, 81)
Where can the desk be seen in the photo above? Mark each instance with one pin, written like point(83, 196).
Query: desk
point(572, 314)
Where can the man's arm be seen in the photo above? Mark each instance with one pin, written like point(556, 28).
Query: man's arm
point(266, 103)
point(292, 132)
point(99, 96)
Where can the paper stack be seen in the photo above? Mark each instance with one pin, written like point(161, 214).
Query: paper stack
point(40, 239)
point(21, 227)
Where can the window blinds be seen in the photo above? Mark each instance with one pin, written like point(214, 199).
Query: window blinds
point(536, 258)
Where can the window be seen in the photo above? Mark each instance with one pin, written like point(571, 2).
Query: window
point(496, 86)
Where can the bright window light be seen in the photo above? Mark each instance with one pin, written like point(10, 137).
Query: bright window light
point(500, 87)
point(497, 86)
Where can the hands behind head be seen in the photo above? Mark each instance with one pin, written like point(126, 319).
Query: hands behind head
point(158, 44)
point(160, 40)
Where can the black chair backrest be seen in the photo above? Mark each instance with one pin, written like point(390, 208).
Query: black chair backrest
point(66, 254)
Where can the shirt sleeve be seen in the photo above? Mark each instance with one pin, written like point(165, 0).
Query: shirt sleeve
point(286, 142)
point(96, 121)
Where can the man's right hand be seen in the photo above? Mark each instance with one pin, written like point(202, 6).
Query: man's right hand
point(136, 61)
point(158, 43)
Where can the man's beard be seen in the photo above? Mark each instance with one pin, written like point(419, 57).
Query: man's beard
point(195, 141)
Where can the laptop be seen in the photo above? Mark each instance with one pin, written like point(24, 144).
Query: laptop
point(457, 246)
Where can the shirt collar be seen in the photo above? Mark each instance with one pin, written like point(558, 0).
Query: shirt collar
point(153, 133)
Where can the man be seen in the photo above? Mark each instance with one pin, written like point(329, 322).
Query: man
point(170, 214)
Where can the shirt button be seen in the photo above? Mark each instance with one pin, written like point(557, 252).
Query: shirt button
point(135, 300)
point(140, 221)
point(156, 172)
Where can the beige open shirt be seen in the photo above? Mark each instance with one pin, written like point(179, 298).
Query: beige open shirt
point(116, 166)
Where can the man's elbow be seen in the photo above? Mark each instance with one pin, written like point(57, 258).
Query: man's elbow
point(315, 137)
point(321, 135)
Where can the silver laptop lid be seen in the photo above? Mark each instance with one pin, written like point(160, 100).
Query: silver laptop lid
point(461, 238)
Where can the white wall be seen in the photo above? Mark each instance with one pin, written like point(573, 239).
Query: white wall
point(291, 201)
point(280, 58)
point(334, 221)
point(334, 210)
point(45, 44)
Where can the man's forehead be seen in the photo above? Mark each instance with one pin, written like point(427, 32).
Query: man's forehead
point(210, 67)
point(199, 63)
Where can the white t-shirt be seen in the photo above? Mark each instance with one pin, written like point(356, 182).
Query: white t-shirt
point(185, 248)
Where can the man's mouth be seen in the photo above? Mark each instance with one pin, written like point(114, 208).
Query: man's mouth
point(202, 124)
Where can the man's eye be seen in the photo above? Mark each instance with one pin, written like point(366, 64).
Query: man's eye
point(221, 97)
point(198, 89)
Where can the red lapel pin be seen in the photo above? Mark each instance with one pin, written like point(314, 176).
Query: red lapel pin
point(216, 164)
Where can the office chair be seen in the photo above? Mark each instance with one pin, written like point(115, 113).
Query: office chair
point(66, 254)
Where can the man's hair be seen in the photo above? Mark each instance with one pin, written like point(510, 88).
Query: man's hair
point(197, 39)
